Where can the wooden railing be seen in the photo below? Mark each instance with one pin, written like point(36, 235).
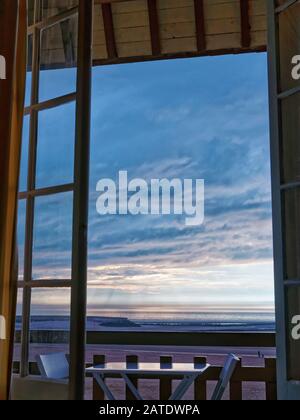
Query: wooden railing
point(142, 338)
point(265, 374)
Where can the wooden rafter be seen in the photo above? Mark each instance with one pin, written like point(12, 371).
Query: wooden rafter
point(109, 30)
point(200, 25)
point(154, 27)
point(245, 23)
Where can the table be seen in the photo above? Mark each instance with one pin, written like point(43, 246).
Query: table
point(188, 371)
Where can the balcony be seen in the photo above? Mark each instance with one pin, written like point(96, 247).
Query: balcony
point(254, 379)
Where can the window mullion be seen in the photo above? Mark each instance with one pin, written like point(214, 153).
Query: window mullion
point(25, 335)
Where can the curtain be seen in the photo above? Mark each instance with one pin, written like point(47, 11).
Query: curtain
point(13, 27)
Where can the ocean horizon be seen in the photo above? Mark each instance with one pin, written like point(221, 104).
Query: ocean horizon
point(158, 321)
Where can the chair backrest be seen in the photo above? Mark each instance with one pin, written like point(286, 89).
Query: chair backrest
point(226, 374)
point(53, 366)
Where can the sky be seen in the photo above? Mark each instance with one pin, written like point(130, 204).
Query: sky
point(201, 118)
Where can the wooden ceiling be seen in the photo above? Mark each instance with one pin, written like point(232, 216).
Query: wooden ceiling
point(140, 30)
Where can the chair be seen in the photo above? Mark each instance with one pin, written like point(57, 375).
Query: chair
point(226, 374)
point(53, 366)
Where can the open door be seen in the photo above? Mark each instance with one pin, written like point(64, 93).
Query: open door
point(54, 188)
point(284, 78)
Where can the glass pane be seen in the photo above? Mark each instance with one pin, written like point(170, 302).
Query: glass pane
point(30, 8)
point(49, 328)
point(29, 72)
point(290, 138)
point(55, 150)
point(54, 7)
point(58, 59)
point(289, 39)
point(21, 236)
point(19, 309)
point(24, 155)
point(293, 305)
point(52, 244)
point(292, 233)
point(18, 328)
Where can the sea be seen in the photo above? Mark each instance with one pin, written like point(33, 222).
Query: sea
point(157, 321)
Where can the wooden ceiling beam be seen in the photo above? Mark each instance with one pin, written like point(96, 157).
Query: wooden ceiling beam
point(245, 23)
point(110, 38)
point(200, 25)
point(171, 56)
point(154, 27)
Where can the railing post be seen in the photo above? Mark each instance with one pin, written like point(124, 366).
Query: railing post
point(132, 360)
point(200, 388)
point(271, 387)
point(236, 387)
point(165, 383)
point(98, 394)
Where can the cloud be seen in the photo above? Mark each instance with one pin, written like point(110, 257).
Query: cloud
point(210, 127)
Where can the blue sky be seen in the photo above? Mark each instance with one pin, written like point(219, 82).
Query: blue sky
point(203, 118)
